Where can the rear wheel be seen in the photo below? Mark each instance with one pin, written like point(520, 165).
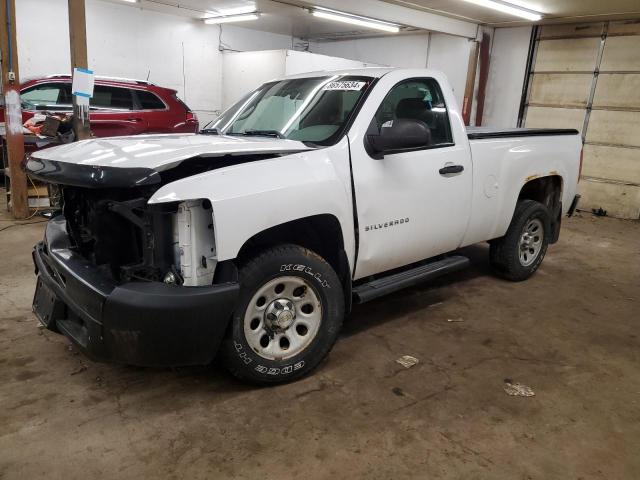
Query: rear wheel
point(518, 254)
point(289, 314)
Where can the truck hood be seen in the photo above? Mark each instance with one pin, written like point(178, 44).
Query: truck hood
point(161, 152)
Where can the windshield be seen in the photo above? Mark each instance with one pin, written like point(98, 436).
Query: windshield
point(314, 109)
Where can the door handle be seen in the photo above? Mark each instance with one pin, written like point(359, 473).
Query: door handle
point(134, 119)
point(449, 169)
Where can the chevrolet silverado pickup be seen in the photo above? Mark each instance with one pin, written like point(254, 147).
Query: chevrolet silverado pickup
point(252, 240)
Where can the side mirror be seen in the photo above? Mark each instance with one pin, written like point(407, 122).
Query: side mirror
point(396, 135)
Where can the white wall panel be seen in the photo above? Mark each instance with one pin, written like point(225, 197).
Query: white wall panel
point(506, 76)
point(245, 71)
point(408, 51)
point(301, 62)
point(451, 55)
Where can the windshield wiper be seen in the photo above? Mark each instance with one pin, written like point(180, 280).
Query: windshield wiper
point(263, 133)
point(210, 131)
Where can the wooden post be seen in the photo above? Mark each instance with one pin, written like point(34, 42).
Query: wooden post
point(13, 109)
point(485, 52)
point(78, 44)
point(472, 68)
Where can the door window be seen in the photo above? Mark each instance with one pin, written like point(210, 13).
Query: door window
point(49, 96)
point(111, 98)
point(418, 99)
point(148, 101)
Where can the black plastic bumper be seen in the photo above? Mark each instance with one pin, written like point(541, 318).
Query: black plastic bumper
point(136, 323)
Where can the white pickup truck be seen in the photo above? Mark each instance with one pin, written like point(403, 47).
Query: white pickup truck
point(252, 239)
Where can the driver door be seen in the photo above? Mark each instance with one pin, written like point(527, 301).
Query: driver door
point(409, 207)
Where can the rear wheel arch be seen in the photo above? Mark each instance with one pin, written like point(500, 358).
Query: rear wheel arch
point(546, 190)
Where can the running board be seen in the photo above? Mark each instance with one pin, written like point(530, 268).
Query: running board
point(383, 286)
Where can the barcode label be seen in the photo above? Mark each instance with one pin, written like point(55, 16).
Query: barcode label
point(344, 85)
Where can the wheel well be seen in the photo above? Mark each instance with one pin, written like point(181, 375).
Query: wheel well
point(548, 191)
point(320, 233)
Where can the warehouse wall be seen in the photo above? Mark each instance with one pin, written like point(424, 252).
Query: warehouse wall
point(398, 51)
point(175, 52)
point(447, 53)
point(506, 76)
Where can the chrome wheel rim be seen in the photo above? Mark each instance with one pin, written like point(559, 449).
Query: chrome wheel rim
point(531, 242)
point(282, 318)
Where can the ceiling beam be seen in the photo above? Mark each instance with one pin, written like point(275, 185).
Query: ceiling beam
point(398, 14)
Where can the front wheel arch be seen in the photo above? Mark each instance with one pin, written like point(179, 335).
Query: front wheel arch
point(321, 234)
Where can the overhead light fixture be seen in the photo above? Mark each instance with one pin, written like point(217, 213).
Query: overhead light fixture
point(510, 9)
point(367, 22)
point(232, 18)
point(130, 1)
point(236, 10)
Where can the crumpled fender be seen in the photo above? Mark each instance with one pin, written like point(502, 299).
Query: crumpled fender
point(252, 197)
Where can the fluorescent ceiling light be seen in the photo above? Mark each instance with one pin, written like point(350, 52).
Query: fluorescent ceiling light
point(130, 1)
point(354, 19)
point(232, 18)
point(237, 10)
point(506, 8)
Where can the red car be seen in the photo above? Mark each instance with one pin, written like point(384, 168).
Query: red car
point(118, 107)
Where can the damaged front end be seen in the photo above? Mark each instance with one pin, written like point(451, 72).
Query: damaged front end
point(130, 282)
point(129, 240)
point(118, 233)
point(111, 224)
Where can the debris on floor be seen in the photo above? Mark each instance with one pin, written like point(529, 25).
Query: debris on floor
point(455, 320)
point(407, 361)
point(80, 369)
point(517, 390)
point(398, 391)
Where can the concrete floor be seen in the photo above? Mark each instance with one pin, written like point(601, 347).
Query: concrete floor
point(571, 333)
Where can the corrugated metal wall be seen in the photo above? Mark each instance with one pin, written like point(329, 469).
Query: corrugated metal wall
point(587, 77)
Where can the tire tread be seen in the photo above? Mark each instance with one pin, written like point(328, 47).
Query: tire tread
point(250, 268)
point(503, 252)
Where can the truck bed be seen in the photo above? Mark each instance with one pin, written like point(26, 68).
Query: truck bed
point(479, 133)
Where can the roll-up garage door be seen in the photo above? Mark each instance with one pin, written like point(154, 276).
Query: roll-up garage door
point(587, 77)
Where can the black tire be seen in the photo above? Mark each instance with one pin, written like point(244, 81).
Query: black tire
point(283, 261)
point(505, 252)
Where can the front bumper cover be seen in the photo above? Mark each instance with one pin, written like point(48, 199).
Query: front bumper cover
point(136, 323)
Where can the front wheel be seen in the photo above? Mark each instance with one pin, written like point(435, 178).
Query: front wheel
point(518, 254)
point(289, 314)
